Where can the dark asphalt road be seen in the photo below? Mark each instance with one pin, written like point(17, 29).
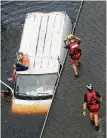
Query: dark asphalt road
point(65, 119)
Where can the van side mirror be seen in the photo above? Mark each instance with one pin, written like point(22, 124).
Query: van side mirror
point(9, 89)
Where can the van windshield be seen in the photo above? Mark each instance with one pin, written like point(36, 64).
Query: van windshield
point(35, 85)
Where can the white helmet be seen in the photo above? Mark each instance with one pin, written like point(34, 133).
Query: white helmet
point(89, 87)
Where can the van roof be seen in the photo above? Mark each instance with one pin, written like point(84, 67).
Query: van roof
point(42, 38)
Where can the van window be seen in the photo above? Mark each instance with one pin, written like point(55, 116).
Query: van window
point(35, 85)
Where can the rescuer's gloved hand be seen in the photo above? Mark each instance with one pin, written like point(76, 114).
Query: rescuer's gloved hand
point(84, 113)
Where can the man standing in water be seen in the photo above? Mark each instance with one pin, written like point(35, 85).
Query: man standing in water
point(22, 65)
point(92, 100)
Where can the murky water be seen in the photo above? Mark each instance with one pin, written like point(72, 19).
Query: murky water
point(12, 17)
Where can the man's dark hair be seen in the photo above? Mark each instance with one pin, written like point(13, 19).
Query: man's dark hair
point(20, 53)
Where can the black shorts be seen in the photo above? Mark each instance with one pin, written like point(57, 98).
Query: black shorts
point(20, 67)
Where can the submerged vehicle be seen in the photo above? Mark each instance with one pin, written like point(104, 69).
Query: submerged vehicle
point(42, 41)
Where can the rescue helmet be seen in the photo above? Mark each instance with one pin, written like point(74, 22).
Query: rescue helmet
point(90, 87)
point(69, 37)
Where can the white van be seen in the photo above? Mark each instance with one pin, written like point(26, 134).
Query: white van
point(43, 42)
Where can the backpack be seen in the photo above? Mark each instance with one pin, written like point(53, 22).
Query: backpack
point(92, 102)
point(74, 48)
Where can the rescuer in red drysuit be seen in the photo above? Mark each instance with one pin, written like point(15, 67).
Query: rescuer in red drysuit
point(74, 51)
point(92, 101)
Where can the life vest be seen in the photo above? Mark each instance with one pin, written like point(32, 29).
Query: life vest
point(92, 102)
point(74, 48)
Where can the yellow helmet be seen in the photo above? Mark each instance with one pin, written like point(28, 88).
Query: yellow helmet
point(69, 37)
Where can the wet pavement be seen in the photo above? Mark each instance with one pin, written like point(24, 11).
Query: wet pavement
point(65, 119)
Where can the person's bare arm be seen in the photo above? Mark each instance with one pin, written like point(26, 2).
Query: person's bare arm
point(84, 106)
point(77, 38)
point(85, 102)
point(20, 62)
